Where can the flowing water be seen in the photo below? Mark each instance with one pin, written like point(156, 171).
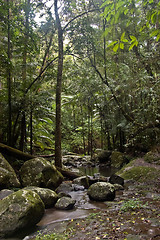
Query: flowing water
point(102, 169)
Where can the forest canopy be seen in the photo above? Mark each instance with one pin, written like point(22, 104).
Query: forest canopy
point(81, 73)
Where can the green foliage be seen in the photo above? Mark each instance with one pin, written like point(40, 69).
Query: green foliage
point(55, 236)
point(122, 43)
point(132, 204)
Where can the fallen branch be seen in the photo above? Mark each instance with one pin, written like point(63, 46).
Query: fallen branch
point(68, 174)
point(4, 149)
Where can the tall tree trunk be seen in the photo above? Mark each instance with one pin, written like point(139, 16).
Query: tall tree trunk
point(23, 132)
point(9, 138)
point(109, 140)
point(83, 132)
point(58, 155)
point(102, 134)
point(31, 131)
point(89, 130)
point(24, 72)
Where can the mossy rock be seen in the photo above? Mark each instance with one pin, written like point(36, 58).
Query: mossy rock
point(140, 173)
point(40, 173)
point(101, 191)
point(152, 157)
point(118, 159)
point(48, 196)
point(8, 178)
point(20, 210)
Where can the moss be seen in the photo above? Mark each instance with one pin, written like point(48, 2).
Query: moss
point(126, 166)
point(152, 157)
point(118, 159)
point(140, 173)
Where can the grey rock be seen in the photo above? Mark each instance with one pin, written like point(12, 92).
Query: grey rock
point(65, 187)
point(65, 203)
point(48, 196)
point(5, 192)
point(101, 191)
point(82, 181)
point(115, 179)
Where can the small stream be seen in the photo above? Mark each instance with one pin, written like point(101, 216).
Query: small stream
point(54, 219)
point(102, 169)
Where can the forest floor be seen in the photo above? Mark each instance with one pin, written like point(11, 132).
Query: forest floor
point(133, 215)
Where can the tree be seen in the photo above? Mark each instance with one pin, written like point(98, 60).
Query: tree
point(58, 157)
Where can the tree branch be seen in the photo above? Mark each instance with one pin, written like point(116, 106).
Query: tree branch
point(42, 71)
point(105, 81)
point(80, 15)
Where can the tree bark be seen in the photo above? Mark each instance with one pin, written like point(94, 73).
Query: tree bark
point(4, 149)
point(68, 174)
point(9, 140)
point(58, 155)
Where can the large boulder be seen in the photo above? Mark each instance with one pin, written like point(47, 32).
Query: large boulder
point(8, 178)
point(104, 157)
point(40, 173)
point(65, 187)
point(48, 196)
point(65, 203)
point(118, 159)
point(18, 211)
point(101, 191)
point(115, 179)
point(82, 181)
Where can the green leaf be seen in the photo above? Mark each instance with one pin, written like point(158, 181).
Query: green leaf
point(126, 11)
point(125, 40)
point(116, 47)
point(158, 37)
point(122, 36)
point(121, 45)
point(112, 43)
point(154, 33)
point(154, 17)
point(133, 38)
point(132, 45)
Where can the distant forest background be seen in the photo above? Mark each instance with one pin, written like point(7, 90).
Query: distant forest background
point(77, 75)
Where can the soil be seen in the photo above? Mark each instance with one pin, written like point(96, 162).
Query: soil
point(133, 215)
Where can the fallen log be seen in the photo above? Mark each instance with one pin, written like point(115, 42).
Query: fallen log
point(46, 156)
point(9, 151)
point(68, 174)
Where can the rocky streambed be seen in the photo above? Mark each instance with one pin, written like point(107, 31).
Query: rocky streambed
point(132, 214)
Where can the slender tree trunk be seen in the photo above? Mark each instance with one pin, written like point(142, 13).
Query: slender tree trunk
point(83, 132)
point(108, 140)
point(102, 133)
point(91, 133)
point(58, 155)
point(23, 132)
point(24, 71)
point(31, 131)
point(9, 140)
point(89, 130)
